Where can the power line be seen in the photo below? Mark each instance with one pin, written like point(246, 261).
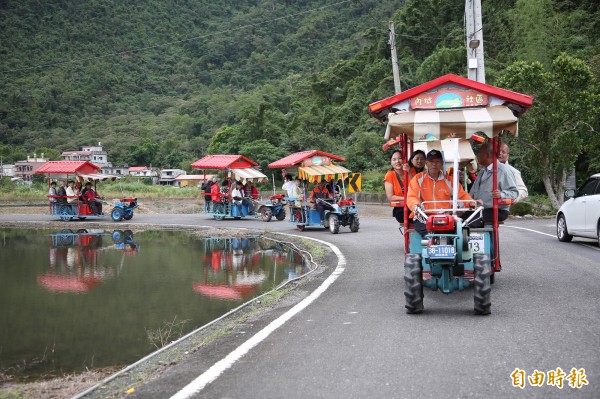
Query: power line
point(178, 41)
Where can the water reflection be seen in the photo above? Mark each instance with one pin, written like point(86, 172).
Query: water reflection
point(73, 259)
point(71, 300)
point(235, 268)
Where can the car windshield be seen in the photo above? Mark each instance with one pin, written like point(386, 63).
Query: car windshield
point(588, 188)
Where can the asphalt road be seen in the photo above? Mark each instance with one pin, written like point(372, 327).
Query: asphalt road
point(355, 339)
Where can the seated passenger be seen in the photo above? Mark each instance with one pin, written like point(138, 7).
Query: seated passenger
point(415, 164)
point(52, 196)
point(432, 185)
point(251, 194)
point(93, 199)
point(237, 196)
point(320, 191)
point(62, 194)
point(393, 182)
point(297, 193)
point(72, 195)
point(224, 190)
point(483, 191)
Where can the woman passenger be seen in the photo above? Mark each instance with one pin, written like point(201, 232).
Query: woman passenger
point(394, 184)
point(416, 164)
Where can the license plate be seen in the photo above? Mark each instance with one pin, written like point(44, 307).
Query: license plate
point(441, 251)
point(477, 243)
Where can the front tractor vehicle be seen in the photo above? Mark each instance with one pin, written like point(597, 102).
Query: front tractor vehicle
point(444, 114)
point(445, 261)
point(315, 166)
point(123, 209)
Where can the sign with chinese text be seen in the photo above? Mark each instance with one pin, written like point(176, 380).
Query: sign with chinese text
point(317, 161)
point(449, 98)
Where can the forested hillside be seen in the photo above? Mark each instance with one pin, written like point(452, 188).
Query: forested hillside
point(163, 82)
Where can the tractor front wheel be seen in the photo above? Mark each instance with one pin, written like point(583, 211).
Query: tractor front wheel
point(266, 213)
point(117, 214)
point(334, 223)
point(481, 284)
point(413, 284)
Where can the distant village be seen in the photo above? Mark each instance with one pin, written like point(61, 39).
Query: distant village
point(22, 171)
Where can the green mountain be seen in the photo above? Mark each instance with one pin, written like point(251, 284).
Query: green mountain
point(164, 82)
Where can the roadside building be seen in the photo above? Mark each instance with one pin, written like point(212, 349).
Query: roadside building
point(168, 176)
point(25, 169)
point(91, 153)
point(191, 180)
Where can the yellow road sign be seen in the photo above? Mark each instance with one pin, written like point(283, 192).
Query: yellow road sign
point(355, 183)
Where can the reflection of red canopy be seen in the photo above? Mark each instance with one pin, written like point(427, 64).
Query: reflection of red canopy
point(57, 283)
point(223, 291)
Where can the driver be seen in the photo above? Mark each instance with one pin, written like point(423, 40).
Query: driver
point(320, 191)
point(93, 199)
point(432, 185)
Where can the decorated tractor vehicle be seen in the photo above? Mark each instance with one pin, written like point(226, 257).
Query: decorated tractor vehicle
point(311, 210)
point(273, 207)
point(449, 111)
point(78, 206)
point(234, 168)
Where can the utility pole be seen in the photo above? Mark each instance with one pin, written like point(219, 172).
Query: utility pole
point(395, 70)
point(474, 39)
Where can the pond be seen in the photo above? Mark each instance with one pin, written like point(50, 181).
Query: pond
point(76, 300)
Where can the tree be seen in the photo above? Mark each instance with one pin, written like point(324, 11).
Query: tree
point(554, 131)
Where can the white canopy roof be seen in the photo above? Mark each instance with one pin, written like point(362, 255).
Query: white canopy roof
point(248, 174)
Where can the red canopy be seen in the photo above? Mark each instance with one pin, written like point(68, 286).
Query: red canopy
point(67, 167)
point(222, 162)
point(298, 157)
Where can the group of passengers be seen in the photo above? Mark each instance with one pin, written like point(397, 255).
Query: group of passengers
point(217, 195)
point(430, 186)
point(69, 197)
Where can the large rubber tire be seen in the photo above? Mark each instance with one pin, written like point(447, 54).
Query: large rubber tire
point(300, 227)
point(561, 229)
point(281, 215)
point(266, 213)
point(116, 214)
point(413, 284)
point(334, 223)
point(128, 216)
point(354, 224)
point(65, 213)
point(118, 237)
point(481, 284)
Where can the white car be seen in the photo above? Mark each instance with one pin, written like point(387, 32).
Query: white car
point(580, 215)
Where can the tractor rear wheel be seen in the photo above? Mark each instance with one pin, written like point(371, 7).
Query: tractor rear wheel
point(413, 284)
point(481, 284)
point(354, 224)
point(266, 213)
point(281, 215)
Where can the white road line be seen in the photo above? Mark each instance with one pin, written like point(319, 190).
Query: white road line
point(218, 368)
point(533, 231)
point(551, 235)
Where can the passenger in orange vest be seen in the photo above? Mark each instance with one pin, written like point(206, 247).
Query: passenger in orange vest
point(432, 185)
point(320, 191)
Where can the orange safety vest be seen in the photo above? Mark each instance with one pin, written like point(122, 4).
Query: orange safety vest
point(423, 187)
